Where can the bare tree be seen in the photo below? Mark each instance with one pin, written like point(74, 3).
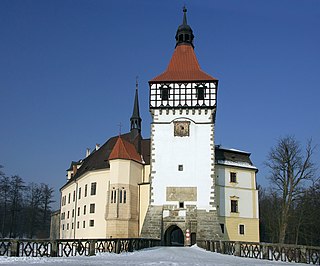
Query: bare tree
point(4, 194)
point(290, 168)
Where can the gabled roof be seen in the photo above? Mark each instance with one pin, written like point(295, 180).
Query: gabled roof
point(183, 66)
point(124, 150)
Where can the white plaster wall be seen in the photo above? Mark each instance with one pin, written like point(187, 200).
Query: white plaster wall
point(244, 176)
point(193, 152)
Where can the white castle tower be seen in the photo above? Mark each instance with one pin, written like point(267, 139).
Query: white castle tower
point(183, 108)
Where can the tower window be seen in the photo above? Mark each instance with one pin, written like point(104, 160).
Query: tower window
point(234, 206)
point(164, 94)
point(233, 177)
point(180, 167)
point(241, 229)
point(181, 204)
point(200, 93)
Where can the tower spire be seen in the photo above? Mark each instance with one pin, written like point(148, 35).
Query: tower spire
point(135, 119)
point(184, 33)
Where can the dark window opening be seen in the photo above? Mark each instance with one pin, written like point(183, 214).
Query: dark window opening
point(181, 204)
point(92, 208)
point(91, 223)
point(180, 167)
point(222, 228)
point(200, 93)
point(120, 196)
point(234, 206)
point(93, 188)
point(124, 196)
point(241, 229)
point(233, 177)
point(164, 94)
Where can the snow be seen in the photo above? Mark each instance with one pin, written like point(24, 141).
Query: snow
point(238, 164)
point(152, 256)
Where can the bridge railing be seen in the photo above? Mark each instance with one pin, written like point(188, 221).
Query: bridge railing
point(72, 247)
point(266, 251)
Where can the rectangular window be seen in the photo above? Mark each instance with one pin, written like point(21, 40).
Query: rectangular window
point(180, 167)
point(234, 206)
point(84, 209)
point(124, 196)
point(73, 213)
point(78, 224)
point(68, 215)
point(92, 207)
point(91, 223)
point(85, 190)
point(74, 195)
point(67, 226)
point(200, 93)
point(72, 226)
point(63, 227)
point(233, 177)
point(69, 197)
point(84, 224)
point(112, 196)
point(120, 196)
point(78, 211)
point(181, 204)
point(79, 193)
point(241, 229)
point(164, 93)
point(93, 188)
point(222, 228)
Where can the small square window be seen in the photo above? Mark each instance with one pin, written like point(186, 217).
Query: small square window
point(91, 223)
point(181, 204)
point(233, 177)
point(241, 229)
point(180, 167)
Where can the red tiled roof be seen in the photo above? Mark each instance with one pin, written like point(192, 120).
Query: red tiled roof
point(183, 66)
point(124, 150)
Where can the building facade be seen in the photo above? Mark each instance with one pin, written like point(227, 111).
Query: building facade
point(176, 182)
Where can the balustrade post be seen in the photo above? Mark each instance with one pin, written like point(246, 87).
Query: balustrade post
point(237, 249)
point(92, 248)
point(14, 248)
point(118, 246)
point(303, 255)
point(222, 249)
point(265, 252)
point(54, 248)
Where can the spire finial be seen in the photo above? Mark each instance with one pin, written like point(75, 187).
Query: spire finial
point(184, 33)
point(184, 22)
point(137, 82)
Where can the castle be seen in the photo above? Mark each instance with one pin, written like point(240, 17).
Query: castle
point(177, 181)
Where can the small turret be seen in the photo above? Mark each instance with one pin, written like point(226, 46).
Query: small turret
point(184, 33)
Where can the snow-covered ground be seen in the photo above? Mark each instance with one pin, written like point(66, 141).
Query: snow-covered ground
point(152, 256)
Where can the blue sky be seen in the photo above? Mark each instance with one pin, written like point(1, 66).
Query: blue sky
point(68, 68)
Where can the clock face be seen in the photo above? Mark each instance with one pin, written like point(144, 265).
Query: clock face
point(181, 128)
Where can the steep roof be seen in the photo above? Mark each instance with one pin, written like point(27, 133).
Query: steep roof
point(183, 66)
point(233, 157)
point(99, 159)
point(124, 150)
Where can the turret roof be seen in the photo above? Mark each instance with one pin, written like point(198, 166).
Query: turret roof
point(124, 150)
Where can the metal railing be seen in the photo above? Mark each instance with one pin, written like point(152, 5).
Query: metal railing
point(72, 247)
point(265, 251)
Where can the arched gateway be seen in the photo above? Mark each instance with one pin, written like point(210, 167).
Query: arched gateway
point(174, 236)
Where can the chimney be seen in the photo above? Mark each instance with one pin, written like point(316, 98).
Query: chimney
point(97, 146)
point(87, 152)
